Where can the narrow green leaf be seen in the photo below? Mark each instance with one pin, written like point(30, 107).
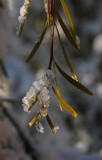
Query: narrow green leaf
point(73, 82)
point(64, 104)
point(20, 29)
point(65, 29)
point(66, 57)
point(68, 19)
point(38, 43)
point(50, 124)
point(57, 89)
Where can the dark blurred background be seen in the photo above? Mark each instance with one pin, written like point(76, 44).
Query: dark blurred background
point(77, 139)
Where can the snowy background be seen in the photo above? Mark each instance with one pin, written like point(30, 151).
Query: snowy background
point(79, 138)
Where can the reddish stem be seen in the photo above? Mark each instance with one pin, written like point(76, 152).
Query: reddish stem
point(52, 43)
point(50, 6)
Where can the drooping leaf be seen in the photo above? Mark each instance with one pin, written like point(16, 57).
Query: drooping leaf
point(64, 104)
point(68, 19)
point(38, 43)
point(39, 117)
point(65, 29)
point(47, 12)
point(19, 32)
point(33, 120)
point(66, 57)
point(46, 9)
point(31, 105)
point(73, 82)
point(57, 89)
point(51, 124)
point(27, 6)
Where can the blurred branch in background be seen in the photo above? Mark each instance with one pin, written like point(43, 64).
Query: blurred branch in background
point(28, 147)
point(6, 102)
point(84, 134)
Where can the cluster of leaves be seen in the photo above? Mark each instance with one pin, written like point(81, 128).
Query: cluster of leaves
point(50, 8)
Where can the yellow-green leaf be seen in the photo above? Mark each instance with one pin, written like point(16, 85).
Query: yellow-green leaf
point(39, 117)
point(57, 89)
point(46, 9)
point(33, 120)
point(68, 19)
point(64, 104)
point(37, 45)
point(73, 82)
point(66, 57)
point(65, 29)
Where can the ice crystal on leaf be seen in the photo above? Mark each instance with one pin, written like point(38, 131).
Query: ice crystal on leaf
point(24, 11)
point(55, 129)
point(40, 127)
point(23, 15)
point(78, 41)
point(39, 92)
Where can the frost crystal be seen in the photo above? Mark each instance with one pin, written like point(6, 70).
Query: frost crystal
point(56, 129)
point(78, 41)
point(24, 11)
point(44, 111)
point(30, 98)
point(40, 127)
